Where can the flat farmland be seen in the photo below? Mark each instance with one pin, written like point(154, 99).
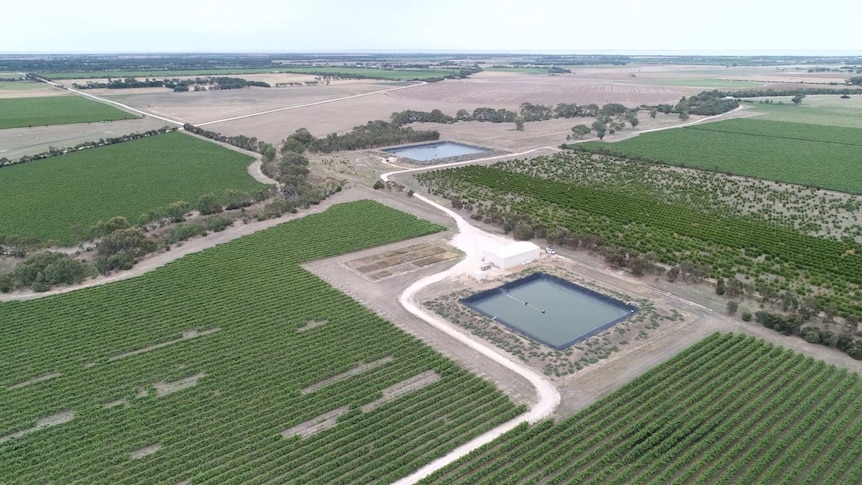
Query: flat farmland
point(233, 365)
point(55, 110)
point(829, 110)
point(46, 198)
point(395, 75)
point(201, 107)
point(17, 142)
point(730, 409)
point(505, 90)
point(798, 153)
point(28, 89)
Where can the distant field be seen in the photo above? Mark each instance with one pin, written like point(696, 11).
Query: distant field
point(45, 198)
point(372, 73)
point(805, 154)
point(524, 70)
point(817, 110)
point(56, 110)
point(21, 85)
point(700, 83)
point(233, 365)
point(154, 74)
point(730, 409)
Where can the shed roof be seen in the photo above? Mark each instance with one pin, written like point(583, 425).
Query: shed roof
point(515, 249)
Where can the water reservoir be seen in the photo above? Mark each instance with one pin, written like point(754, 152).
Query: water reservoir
point(427, 152)
point(550, 310)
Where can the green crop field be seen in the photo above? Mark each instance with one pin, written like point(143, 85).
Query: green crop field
point(828, 110)
point(55, 110)
point(371, 73)
point(46, 198)
point(22, 85)
point(730, 409)
point(234, 319)
point(804, 154)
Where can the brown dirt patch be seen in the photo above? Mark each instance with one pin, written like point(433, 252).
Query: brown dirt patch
point(316, 425)
point(312, 324)
point(402, 388)
point(399, 261)
point(35, 380)
point(145, 451)
point(359, 369)
point(41, 423)
point(186, 335)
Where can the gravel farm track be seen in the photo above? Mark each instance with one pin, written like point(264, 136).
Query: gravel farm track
point(472, 241)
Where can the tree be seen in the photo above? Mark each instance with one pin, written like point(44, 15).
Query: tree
point(176, 212)
point(746, 316)
point(269, 154)
point(798, 99)
point(601, 128)
point(653, 112)
point(519, 124)
point(522, 232)
point(209, 204)
point(672, 274)
point(578, 131)
point(732, 306)
point(720, 286)
point(379, 185)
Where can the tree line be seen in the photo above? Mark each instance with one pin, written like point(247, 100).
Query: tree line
point(370, 135)
point(178, 85)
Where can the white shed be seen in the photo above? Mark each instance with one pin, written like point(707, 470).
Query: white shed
point(515, 254)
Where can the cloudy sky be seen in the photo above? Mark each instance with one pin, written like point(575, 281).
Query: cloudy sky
point(398, 25)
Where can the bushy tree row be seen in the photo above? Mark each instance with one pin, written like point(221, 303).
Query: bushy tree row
point(370, 135)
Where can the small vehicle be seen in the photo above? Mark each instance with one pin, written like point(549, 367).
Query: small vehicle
point(486, 266)
point(550, 251)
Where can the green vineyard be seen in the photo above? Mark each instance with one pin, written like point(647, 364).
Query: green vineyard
point(641, 220)
point(730, 409)
point(47, 198)
point(199, 371)
point(798, 153)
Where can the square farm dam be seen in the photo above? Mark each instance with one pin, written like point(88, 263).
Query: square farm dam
point(427, 152)
point(550, 310)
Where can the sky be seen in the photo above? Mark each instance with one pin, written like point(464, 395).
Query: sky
point(727, 26)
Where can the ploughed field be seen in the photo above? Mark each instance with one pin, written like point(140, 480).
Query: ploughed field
point(46, 198)
point(730, 409)
point(56, 110)
point(829, 157)
point(232, 365)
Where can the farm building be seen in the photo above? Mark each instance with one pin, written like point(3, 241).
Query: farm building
point(513, 255)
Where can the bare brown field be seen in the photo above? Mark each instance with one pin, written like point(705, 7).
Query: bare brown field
point(17, 142)
point(510, 90)
point(205, 106)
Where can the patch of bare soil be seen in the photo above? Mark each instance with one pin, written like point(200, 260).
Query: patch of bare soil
point(186, 335)
point(359, 369)
point(41, 423)
point(35, 380)
point(312, 324)
point(400, 261)
point(316, 425)
point(402, 388)
point(145, 451)
point(164, 388)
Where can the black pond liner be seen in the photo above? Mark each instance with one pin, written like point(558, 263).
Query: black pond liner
point(472, 300)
